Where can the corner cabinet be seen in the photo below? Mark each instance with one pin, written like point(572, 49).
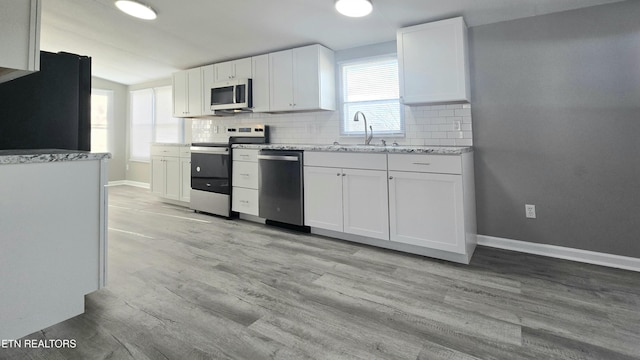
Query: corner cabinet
point(433, 62)
point(19, 38)
point(302, 79)
point(187, 93)
point(416, 203)
point(171, 172)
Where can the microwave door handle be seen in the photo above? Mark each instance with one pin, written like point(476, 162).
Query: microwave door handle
point(234, 94)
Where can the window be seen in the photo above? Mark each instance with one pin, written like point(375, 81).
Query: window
point(152, 121)
point(101, 118)
point(371, 85)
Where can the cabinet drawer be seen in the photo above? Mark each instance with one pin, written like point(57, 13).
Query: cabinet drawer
point(346, 160)
point(245, 155)
point(161, 150)
point(245, 174)
point(185, 152)
point(245, 201)
point(442, 164)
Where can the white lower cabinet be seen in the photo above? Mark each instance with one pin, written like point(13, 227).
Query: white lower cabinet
point(171, 172)
point(323, 197)
point(423, 204)
point(427, 210)
point(344, 199)
point(244, 193)
point(365, 207)
point(165, 177)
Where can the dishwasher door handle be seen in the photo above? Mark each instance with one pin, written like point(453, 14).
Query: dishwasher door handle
point(278, 157)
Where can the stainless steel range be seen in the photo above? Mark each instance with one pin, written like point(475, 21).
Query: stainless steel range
point(211, 169)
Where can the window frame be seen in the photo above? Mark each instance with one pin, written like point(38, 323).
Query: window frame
point(110, 94)
point(341, 99)
point(153, 130)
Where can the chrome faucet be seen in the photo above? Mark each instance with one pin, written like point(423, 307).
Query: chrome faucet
point(367, 139)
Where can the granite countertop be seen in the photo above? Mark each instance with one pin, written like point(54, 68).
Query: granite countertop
point(436, 150)
point(27, 156)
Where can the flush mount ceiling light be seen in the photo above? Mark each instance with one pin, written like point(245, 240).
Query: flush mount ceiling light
point(354, 8)
point(136, 9)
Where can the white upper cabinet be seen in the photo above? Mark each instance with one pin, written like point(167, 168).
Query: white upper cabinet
point(433, 62)
point(211, 74)
point(187, 93)
point(260, 84)
point(302, 79)
point(19, 38)
point(236, 69)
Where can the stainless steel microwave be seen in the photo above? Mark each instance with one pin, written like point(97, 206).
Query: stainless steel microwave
point(232, 95)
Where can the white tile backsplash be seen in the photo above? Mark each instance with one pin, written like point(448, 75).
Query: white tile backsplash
point(431, 125)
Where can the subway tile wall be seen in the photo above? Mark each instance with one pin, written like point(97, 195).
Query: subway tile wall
point(433, 125)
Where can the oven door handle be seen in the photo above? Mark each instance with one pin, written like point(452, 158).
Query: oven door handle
point(278, 157)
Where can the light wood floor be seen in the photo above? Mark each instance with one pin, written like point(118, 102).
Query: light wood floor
point(190, 286)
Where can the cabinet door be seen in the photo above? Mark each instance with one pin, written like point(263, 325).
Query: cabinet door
point(20, 39)
point(281, 80)
point(180, 94)
point(194, 83)
point(427, 210)
point(245, 174)
point(242, 69)
point(365, 203)
point(244, 201)
point(323, 198)
point(208, 79)
point(185, 184)
point(157, 175)
point(306, 75)
point(260, 73)
point(172, 178)
point(433, 62)
point(224, 71)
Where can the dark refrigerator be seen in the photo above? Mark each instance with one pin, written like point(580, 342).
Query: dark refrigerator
point(49, 109)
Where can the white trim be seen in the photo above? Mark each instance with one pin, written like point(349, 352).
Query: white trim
point(559, 252)
point(130, 183)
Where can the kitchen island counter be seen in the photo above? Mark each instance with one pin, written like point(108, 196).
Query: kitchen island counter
point(53, 217)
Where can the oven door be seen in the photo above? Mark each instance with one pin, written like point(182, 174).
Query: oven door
point(210, 169)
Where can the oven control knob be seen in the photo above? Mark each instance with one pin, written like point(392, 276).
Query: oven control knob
point(198, 168)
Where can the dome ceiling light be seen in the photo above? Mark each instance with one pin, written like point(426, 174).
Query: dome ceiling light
point(354, 8)
point(136, 9)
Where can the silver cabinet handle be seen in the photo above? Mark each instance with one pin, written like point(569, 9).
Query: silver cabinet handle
point(338, 174)
point(244, 175)
point(390, 177)
point(418, 163)
point(344, 174)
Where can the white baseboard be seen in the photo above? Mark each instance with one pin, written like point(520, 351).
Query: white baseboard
point(585, 256)
point(129, 183)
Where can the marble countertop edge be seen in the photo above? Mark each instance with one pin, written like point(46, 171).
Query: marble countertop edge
point(33, 156)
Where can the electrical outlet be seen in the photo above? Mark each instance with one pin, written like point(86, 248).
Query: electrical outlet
point(530, 211)
point(457, 126)
point(216, 129)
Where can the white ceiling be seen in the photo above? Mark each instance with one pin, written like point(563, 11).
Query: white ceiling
point(191, 33)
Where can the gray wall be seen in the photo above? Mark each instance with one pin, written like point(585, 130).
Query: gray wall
point(556, 122)
point(118, 130)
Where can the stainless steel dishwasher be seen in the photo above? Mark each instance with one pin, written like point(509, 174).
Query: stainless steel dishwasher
point(280, 194)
